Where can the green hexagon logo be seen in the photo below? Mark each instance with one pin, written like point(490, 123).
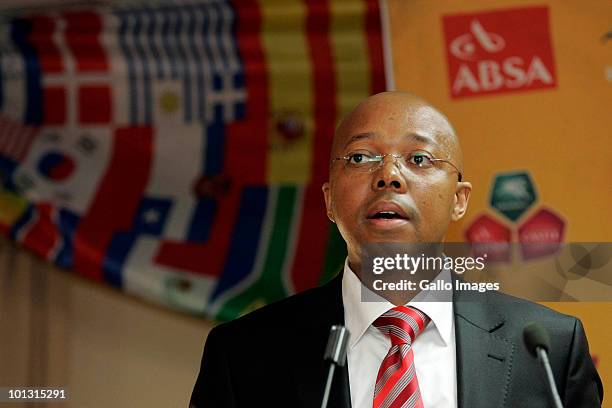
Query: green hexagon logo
point(512, 194)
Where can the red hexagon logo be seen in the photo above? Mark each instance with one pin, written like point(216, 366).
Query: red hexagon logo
point(489, 238)
point(541, 234)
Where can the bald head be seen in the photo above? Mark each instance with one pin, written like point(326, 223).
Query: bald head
point(420, 195)
point(396, 110)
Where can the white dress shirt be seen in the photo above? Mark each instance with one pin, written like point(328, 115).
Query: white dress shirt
point(434, 349)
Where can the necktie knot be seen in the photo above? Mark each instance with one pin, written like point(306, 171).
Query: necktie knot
point(402, 324)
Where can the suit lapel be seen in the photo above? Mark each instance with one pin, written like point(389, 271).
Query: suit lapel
point(310, 370)
point(484, 357)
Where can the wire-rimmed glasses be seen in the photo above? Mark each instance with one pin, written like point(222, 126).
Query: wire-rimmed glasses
point(416, 159)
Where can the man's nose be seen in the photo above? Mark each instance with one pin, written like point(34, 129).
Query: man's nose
point(389, 176)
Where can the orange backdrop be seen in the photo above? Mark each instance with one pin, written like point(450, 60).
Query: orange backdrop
point(527, 86)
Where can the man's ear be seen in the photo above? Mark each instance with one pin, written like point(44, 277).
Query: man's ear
point(462, 196)
point(327, 196)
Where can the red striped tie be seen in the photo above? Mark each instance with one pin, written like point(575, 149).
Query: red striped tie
point(397, 385)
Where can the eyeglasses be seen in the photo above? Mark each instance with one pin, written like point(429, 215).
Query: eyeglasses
point(420, 160)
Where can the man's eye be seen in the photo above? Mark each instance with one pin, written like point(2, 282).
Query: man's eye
point(420, 159)
point(358, 158)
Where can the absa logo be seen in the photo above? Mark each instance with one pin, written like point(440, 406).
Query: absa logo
point(499, 51)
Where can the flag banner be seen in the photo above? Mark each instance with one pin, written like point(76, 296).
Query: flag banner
point(176, 149)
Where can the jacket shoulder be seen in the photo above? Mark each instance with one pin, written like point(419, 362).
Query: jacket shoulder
point(520, 312)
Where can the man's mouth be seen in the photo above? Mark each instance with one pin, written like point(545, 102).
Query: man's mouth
point(386, 215)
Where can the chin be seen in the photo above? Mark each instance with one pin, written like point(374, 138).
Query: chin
point(393, 236)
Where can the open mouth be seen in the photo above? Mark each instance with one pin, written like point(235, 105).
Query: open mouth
point(386, 215)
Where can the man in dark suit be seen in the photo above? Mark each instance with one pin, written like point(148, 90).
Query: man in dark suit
point(395, 176)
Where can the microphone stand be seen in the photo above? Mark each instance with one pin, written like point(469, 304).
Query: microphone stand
point(335, 353)
point(553, 393)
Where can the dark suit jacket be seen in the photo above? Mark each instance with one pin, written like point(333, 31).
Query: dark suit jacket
point(273, 357)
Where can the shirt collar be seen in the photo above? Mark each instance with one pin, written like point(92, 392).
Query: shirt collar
point(359, 315)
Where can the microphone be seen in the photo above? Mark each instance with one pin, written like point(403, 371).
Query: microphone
point(335, 353)
point(537, 342)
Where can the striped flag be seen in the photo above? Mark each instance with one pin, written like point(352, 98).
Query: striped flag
point(177, 150)
point(331, 61)
point(181, 57)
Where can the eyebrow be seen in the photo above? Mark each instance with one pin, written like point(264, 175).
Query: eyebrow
point(422, 139)
point(414, 136)
point(359, 136)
